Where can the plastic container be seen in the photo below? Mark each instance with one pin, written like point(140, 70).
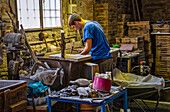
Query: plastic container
point(102, 84)
point(116, 46)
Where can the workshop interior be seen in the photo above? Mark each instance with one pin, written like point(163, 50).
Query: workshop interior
point(42, 70)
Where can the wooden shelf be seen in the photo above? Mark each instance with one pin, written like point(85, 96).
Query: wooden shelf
point(48, 41)
point(160, 33)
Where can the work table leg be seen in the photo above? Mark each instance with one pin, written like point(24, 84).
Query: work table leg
point(102, 108)
point(77, 107)
point(129, 65)
point(49, 104)
point(125, 101)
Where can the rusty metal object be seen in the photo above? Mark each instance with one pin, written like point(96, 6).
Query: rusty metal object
point(62, 43)
point(14, 41)
point(36, 61)
point(1, 55)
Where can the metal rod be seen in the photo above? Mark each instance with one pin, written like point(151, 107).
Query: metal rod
point(145, 104)
point(16, 28)
point(139, 105)
point(138, 10)
point(55, 12)
point(134, 11)
point(62, 43)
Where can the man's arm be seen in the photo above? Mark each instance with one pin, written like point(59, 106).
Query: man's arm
point(88, 47)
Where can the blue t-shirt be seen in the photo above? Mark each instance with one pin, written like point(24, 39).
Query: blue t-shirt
point(100, 47)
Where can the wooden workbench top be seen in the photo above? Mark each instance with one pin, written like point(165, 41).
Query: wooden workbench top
point(76, 57)
point(71, 57)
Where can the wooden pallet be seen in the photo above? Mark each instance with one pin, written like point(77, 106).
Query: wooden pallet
point(165, 26)
point(123, 18)
point(139, 23)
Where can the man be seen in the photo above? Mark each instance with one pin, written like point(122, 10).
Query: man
point(95, 42)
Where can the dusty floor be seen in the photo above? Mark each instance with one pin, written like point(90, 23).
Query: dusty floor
point(133, 108)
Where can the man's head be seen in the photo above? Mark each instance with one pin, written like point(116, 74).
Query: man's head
point(75, 21)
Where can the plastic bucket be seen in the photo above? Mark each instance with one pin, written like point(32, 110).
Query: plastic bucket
point(102, 84)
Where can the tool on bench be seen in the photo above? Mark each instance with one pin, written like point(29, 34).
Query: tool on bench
point(57, 43)
point(63, 43)
point(44, 36)
point(72, 49)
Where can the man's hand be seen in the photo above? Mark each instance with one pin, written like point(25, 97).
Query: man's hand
point(88, 47)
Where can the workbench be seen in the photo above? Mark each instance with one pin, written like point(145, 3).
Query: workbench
point(125, 63)
point(90, 101)
point(75, 65)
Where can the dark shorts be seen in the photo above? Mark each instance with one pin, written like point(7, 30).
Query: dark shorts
point(105, 65)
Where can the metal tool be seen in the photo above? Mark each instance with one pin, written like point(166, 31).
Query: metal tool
point(14, 41)
point(44, 36)
point(15, 26)
point(57, 43)
point(62, 43)
point(72, 49)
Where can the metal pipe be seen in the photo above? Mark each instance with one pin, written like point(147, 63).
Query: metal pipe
point(62, 43)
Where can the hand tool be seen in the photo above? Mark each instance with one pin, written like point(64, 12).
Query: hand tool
point(57, 43)
point(72, 49)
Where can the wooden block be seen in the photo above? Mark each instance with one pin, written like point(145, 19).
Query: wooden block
point(133, 40)
point(19, 106)
point(41, 108)
point(165, 26)
point(104, 5)
point(123, 17)
point(161, 31)
point(139, 23)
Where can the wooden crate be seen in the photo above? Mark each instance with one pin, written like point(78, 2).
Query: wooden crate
point(165, 26)
point(137, 42)
point(162, 59)
point(104, 13)
point(161, 31)
point(139, 23)
point(141, 27)
point(138, 39)
point(13, 94)
point(123, 18)
point(147, 46)
point(138, 32)
point(40, 108)
point(101, 5)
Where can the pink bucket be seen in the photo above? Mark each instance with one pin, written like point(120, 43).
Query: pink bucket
point(102, 84)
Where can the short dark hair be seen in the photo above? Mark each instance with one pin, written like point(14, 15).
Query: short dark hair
point(74, 17)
